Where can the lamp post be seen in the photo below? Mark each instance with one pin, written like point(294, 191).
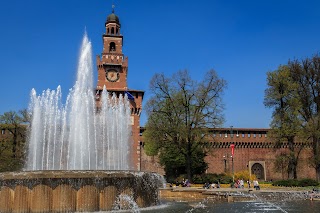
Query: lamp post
point(232, 151)
point(225, 162)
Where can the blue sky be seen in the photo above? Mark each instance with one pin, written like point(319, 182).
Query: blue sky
point(241, 40)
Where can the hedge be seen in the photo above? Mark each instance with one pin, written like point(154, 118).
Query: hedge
point(296, 183)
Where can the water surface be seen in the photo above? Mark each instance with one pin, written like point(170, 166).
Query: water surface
point(303, 206)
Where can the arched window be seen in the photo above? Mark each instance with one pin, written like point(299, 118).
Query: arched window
point(112, 47)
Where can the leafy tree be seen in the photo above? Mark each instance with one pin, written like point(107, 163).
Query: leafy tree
point(294, 93)
point(286, 125)
point(12, 145)
point(281, 164)
point(306, 74)
point(180, 112)
point(175, 164)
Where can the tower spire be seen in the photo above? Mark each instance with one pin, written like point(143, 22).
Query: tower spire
point(113, 6)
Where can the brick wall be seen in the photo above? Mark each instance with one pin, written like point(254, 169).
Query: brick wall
point(251, 146)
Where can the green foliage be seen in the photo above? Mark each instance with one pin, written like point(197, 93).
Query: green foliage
point(308, 182)
point(286, 125)
point(281, 164)
point(179, 114)
point(9, 162)
point(296, 183)
point(212, 178)
point(151, 147)
point(174, 162)
point(12, 143)
point(294, 94)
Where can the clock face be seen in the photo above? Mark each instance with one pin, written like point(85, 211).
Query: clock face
point(112, 75)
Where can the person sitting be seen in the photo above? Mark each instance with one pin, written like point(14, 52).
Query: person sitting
point(187, 183)
point(206, 185)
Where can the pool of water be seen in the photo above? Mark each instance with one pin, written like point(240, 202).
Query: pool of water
point(302, 206)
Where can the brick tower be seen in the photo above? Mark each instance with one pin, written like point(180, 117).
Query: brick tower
point(112, 73)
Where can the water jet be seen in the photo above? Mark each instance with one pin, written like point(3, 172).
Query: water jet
point(78, 155)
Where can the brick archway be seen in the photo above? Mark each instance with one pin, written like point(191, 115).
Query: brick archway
point(258, 168)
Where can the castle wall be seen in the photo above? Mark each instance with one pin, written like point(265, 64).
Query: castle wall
point(252, 148)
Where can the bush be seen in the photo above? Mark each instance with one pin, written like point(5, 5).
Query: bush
point(287, 183)
point(244, 175)
point(308, 182)
point(197, 179)
point(296, 183)
point(211, 178)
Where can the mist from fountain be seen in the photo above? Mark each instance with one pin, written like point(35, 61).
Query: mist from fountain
point(75, 135)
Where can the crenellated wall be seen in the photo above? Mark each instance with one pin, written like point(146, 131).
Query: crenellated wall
point(253, 151)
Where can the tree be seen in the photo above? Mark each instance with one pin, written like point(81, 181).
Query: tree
point(12, 145)
point(180, 112)
point(294, 93)
point(281, 164)
point(286, 125)
point(175, 163)
point(306, 74)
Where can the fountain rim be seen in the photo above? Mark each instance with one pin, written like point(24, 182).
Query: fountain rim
point(58, 174)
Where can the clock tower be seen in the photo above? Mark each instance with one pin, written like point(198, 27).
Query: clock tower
point(112, 65)
point(112, 68)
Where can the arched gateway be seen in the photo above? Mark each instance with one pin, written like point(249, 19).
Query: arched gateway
point(258, 168)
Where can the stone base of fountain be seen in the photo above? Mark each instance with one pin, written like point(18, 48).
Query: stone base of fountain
point(77, 191)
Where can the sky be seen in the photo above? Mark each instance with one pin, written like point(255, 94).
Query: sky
point(242, 40)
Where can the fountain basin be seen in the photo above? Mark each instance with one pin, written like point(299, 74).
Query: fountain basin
point(77, 191)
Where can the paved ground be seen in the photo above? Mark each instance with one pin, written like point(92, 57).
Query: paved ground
point(252, 190)
point(235, 194)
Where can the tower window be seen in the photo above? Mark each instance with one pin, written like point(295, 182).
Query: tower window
point(112, 47)
point(112, 31)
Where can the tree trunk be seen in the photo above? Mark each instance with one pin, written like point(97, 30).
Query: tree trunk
point(14, 146)
point(293, 161)
point(316, 154)
point(189, 162)
point(292, 167)
point(318, 172)
point(188, 167)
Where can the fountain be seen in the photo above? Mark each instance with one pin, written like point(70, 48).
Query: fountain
point(78, 155)
point(75, 136)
